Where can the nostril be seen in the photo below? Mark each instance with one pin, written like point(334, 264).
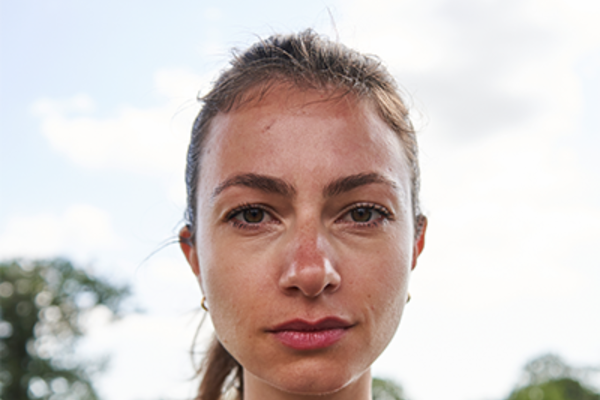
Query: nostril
point(308, 266)
point(329, 288)
point(310, 279)
point(334, 281)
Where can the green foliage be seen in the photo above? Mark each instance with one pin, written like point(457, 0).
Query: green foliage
point(546, 368)
point(384, 389)
point(550, 378)
point(557, 389)
point(43, 303)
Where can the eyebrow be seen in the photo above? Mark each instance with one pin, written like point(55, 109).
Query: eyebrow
point(269, 184)
point(265, 183)
point(348, 183)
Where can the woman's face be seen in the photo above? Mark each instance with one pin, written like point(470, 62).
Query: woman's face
point(305, 238)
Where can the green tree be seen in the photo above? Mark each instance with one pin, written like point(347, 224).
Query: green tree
point(385, 389)
point(556, 389)
point(549, 378)
point(43, 303)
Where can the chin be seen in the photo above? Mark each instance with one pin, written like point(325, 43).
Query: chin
point(317, 381)
point(317, 386)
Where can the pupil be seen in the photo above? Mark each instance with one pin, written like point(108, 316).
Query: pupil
point(361, 214)
point(254, 215)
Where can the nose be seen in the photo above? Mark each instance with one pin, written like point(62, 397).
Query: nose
point(309, 265)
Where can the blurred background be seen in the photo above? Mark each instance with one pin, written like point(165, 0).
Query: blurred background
point(97, 99)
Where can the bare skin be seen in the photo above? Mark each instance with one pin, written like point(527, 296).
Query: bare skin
point(304, 213)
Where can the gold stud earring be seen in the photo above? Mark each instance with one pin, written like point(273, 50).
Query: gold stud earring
point(408, 299)
point(203, 304)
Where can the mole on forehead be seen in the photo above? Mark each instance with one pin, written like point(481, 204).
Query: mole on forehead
point(226, 128)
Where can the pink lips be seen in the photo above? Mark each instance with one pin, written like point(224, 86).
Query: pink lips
point(304, 335)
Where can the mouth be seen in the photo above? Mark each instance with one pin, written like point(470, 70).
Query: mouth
point(305, 335)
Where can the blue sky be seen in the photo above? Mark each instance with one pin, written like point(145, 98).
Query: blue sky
point(96, 102)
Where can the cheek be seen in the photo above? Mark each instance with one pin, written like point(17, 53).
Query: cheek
point(386, 311)
point(226, 296)
point(235, 280)
point(385, 264)
point(392, 292)
point(389, 277)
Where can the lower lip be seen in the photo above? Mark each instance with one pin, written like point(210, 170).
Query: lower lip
point(310, 340)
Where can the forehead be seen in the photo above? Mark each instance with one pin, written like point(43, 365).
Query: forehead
point(290, 132)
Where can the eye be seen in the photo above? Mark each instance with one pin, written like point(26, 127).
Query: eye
point(250, 216)
point(362, 214)
point(365, 215)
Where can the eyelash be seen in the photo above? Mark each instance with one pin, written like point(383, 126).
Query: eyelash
point(231, 216)
point(385, 215)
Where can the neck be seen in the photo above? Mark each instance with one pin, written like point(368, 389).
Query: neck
point(257, 389)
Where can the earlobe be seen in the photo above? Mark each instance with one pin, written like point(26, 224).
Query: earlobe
point(419, 243)
point(189, 249)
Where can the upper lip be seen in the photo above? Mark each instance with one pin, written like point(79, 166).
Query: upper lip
point(308, 326)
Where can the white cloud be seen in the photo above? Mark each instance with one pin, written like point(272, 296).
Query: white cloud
point(146, 140)
point(480, 67)
point(151, 141)
point(505, 207)
point(82, 232)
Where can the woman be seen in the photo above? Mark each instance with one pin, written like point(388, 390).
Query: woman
point(303, 221)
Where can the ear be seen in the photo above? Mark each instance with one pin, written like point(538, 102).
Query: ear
point(419, 243)
point(189, 249)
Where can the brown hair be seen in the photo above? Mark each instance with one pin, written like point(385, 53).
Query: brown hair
point(309, 61)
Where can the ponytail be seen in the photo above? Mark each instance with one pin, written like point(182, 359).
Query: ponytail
point(220, 373)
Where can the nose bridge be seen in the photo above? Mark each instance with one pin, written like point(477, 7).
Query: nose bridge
point(309, 266)
point(309, 247)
